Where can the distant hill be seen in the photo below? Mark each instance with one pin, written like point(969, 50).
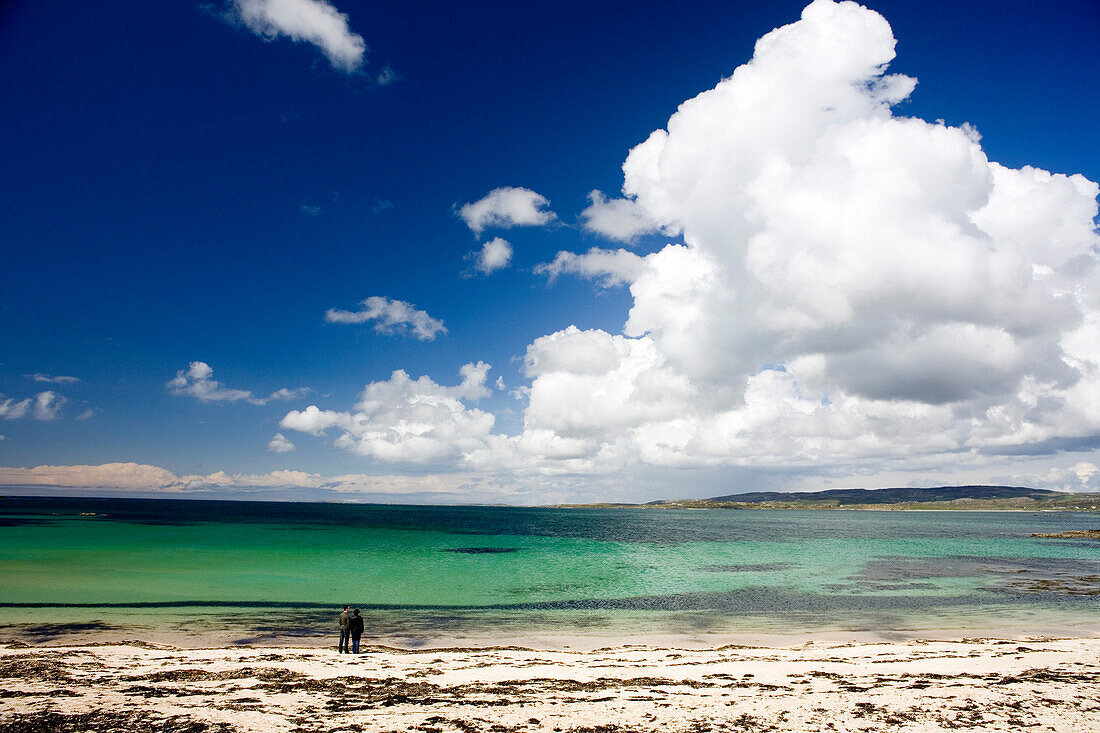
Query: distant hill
point(945, 498)
point(891, 496)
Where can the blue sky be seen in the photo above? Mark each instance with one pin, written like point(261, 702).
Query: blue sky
point(179, 189)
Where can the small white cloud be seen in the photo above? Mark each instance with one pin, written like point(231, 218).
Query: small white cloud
point(310, 210)
point(500, 384)
point(39, 377)
point(505, 208)
point(619, 219)
point(47, 405)
point(607, 267)
point(280, 444)
point(390, 316)
point(197, 381)
point(88, 414)
point(11, 409)
point(494, 255)
point(312, 21)
point(314, 420)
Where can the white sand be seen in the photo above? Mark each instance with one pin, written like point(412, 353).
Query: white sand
point(989, 685)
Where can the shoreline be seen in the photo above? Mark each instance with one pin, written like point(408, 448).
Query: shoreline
point(545, 644)
point(211, 633)
point(986, 684)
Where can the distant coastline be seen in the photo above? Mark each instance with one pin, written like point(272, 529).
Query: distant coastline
point(939, 498)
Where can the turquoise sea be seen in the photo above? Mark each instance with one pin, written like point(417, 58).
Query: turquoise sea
point(266, 572)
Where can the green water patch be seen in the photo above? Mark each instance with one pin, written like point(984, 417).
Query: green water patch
point(130, 562)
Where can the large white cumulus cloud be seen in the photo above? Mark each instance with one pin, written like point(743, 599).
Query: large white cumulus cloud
point(852, 284)
point(854, 288)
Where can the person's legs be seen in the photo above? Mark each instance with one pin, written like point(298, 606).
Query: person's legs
point(355, 644)
point(343, 640)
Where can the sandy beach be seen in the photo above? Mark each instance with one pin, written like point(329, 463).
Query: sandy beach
point(981, 684)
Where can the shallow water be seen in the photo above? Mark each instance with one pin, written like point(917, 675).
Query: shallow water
point(258, 571)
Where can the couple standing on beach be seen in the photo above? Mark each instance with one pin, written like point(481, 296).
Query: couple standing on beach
point(351, 627)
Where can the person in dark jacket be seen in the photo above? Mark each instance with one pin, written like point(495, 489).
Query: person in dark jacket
point(344, 619)
point(355, 627)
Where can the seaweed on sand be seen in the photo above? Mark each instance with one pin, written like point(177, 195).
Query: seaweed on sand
point(49, 721)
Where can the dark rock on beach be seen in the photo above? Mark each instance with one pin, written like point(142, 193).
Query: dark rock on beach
point(1092, 534)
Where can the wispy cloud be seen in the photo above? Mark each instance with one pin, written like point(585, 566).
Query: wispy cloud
point(39, 377)
point(11, 409)
point(386, 76)
point(45, 406)
point(198, 381)
point(390, 316)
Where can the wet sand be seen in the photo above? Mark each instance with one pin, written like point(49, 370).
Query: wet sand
point(980, 684)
